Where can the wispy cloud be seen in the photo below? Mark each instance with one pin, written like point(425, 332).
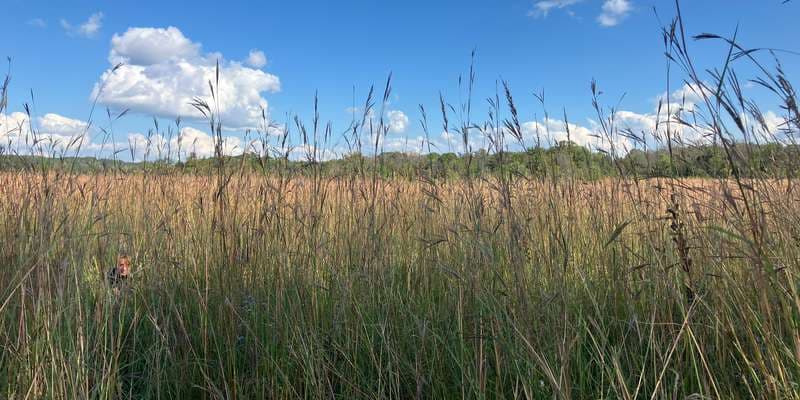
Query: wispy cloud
point(37, 22)
point(614, 11)
point(542, 8)
point(88, 29)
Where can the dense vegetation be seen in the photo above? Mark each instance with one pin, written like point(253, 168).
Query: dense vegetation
point(564, 159)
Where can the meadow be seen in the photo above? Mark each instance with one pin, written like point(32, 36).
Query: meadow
point(301, 283)
point(304, 287)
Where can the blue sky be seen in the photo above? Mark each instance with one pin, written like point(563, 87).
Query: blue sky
point(278, 54)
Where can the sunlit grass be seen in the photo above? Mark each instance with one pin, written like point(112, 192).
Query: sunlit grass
point(300, 282)
point(393, 294)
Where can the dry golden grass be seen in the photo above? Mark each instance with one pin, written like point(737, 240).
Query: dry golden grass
point(301, 286)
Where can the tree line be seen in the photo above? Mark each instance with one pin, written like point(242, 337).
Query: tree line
point(563, 159)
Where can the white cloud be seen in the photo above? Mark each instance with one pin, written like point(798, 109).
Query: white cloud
point(689, 95)
point(189, 142)
point(774, 123)
point(686, 130)
point(151, 46)
point(202, 144)
point(395, 121)
point(652, 127)
point(453, 141)
point(54, 123)
point(256, 59)
point(552, 131)
point(56, 135)
point(416, 145)
point(308, 152)
point(449, 136)
point(398, 121)
point(543, 8)
point(51, 134)
point(614, 11)
point(682, 112)
point(88, 29)
point(91, 26)
point(163, 71)
point(12, 126)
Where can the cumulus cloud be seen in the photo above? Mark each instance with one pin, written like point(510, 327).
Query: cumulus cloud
point(48, 135)
point(88, 29)
point(308, 152)
point(398, 121)
point(773, 123)
point(395, 121)
point(163, 71)
point(453, 141)
point(547, 132)
point(683, 114)
point(676, 115)
point(151, 46)
point(256, 59)
point(553, 131)
point(685, 129)
point(12, 126)
point(689, 95)
point(202, 144)
point(55, 135)
point(613, 12)
point(54, 123)
point(415, 145)
point(189, 142)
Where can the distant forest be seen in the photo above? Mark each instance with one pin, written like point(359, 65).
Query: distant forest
point(564, 159)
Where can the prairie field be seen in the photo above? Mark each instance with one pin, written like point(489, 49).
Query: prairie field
point(282, 286)
point(491, 249)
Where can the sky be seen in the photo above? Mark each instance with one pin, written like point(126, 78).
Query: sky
point(276, 56)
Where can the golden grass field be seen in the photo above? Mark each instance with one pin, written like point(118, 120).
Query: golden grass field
point(288, 286)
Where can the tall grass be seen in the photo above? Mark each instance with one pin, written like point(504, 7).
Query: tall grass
point(299, 284)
